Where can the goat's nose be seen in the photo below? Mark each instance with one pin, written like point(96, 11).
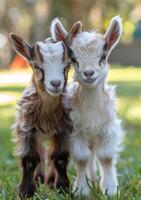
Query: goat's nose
point(55, 83)
point(89, 73)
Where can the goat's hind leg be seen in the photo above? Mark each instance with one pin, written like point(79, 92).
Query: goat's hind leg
point(29, 161)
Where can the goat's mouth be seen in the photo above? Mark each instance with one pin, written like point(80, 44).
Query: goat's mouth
point(55, 91)
point(90, 80)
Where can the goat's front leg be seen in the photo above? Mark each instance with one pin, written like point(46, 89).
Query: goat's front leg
point(29, 161)
point(107, 152)
point(92, 168)
point(57, 164)
point(51, 173)
point(57, 171)
point(81, 154)
point(40, 170)
point(109, 176)
point(60, 160)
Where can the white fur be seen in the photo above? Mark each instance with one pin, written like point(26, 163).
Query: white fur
point(88, 54)
point(55, 49)
point(118, 21)
point(97, 129)
point(55, 22)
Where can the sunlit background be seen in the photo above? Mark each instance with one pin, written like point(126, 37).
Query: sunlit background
point(31, 19)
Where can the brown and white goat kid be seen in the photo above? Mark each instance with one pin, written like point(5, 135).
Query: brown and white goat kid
point(97, 130)
point(42, 116)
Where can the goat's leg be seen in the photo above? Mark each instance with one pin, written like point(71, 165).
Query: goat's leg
point(57, 164)
point(57, 171)
point(29, 161)
point(51, 173)
point(107, 153)
point(81, 154)
point(108, 176)
point(106, 157)
point(81, 185)
point(92, 168)
point(61, 162)
point(59, 156)
point(40, 170)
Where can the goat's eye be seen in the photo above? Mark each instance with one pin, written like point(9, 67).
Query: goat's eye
point(102, 59)
point(73, 59)
point(36, 67)
point(68, 65)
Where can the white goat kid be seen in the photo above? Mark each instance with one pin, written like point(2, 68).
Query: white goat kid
point(97, 131)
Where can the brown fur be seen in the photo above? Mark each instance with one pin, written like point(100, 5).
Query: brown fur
point(40, 115)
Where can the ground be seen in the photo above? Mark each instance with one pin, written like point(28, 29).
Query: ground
point(128, 81)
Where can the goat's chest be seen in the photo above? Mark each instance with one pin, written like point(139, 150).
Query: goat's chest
point(45, 129)
point(91, 118)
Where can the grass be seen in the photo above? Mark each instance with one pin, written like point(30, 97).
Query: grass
point(128, 82)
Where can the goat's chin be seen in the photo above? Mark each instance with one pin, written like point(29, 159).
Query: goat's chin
point(54, 93)
point(90, 84)
point(94, 83)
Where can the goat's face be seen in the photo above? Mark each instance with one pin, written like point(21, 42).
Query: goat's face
point(89, 58)
point(48, 60)
point(89, 51)
point(54, 66)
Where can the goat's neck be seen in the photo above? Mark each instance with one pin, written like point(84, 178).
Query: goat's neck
point(48, 104)
point(44, 99)
point(92, 96)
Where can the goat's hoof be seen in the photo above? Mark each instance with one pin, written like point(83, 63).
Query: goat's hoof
point(40, 178)
point(62, 185)
point(110, 190)
point(81, 190)
point(50, 181)
point(27, 190)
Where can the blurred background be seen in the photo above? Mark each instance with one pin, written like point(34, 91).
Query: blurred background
point(31, 20)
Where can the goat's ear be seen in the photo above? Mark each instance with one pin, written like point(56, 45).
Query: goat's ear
point(20, 46)
point(113, 34)
point(58, 31)
point(76, 28)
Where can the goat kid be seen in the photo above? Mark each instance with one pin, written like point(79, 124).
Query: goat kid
point(42, 116)
point(97, 133)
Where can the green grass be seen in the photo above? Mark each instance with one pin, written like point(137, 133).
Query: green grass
point(128, 82)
